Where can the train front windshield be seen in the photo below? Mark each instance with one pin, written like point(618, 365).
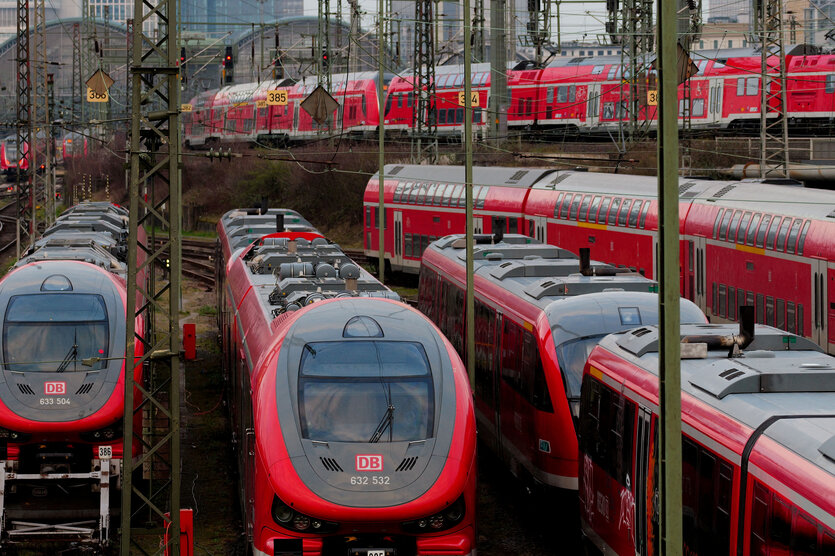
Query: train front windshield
point(54, 332)
point(366, 391)
point(572, 357)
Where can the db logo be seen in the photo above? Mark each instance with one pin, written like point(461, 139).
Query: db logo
point(55, 388)
point(370, 463)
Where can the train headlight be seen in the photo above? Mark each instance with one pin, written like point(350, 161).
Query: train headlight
point(7, 435)
point(107, 434)
point(450, 517)
point(293, 520)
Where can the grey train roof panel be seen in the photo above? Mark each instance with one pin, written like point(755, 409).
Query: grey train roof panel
point(509, 177)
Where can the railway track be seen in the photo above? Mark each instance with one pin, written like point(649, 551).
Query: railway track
point(198, 258)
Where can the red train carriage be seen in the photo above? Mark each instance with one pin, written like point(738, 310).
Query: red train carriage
point(354, 413)
point(735, 236)
point(243, 226)
point(536, 320)
point(62, 396)
point(427, 202)
point(758, 444)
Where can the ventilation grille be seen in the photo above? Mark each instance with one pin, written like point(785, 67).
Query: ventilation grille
point(685, 186)
point(407, 464)
point(641, 331)
point(517, 176)
point(831, 214)
point(722, 192)
point(395, 170)
point(26, 389)
point(84, 389)
point(331, 464)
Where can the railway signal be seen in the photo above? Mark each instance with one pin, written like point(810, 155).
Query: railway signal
point(228, 66)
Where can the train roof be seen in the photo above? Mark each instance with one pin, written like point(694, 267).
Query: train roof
point(778, 374)
point(771, 198)
point(482, 175)
point(242, 226)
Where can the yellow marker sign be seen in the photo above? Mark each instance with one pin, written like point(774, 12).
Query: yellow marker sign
point(473, 98)
point(260, 104)
point(93, 96)
point(652, 98)
point(277, 97)
point(185, 108)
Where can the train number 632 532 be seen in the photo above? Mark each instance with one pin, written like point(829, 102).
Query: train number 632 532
point(370, 480)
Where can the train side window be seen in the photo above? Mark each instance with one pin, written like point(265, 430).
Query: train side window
point(760, 242)
point(790, 317)
point(442, 116)
point(723, 300)
point(562, 94)
point(772, 232)
point(740, 87)
point(828, 539)
point(752, 230)
point(723, 228)
point(781, 314)
point(415, 191)
point(804, 537)
point(398, 191)
point(752, 86)
point(557, 205)
point(511, 355)
point(634, 213)
point(613, 211)
point(623, 215)
point(714, 300)
point(717, 222)
point(566, 203)
point(801, 242)
point(430, 193)
point(793, 233)
point(830, 83)
point(513, 226)
point(644, 211)
point(731, 303)
point(595, 205)
point(461, 195)
point(781, 520)
point(734, 225)
point(439, 194)
point(575, 205)
point(549, 95)
point(749, 298)
point(604, 210)
point(367, 217)
point(584, 208)
point(481, 197)
point(769, 310)
point(781, 235)
point(485, 353)
point(743, 227)
point(407, 245)
point(760, 308)
point(799, 319)
point(759, 520)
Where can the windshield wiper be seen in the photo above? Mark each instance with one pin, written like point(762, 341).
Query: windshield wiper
point(70, 356)
point(385, 423)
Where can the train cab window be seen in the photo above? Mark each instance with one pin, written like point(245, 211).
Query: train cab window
point(734, 225)
point(582, 216)
point(791, 242)
point(350, 390)
point(781, 235)
point(40, 329)
point(557, 205)
point(723, 227)
point(565, 206)
point(772, 232)
point(624, 212)
point(575, 205)
point(752, 229)
point(634, 213)
point(644, 212)
point(595, 205)
point(801, 242)
point(604, 210)
point(613, 211)
point(571, 357)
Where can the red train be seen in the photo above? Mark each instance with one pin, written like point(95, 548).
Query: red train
point(353, 413)
point(74, 146)
point(584, 95)
point(758, 444)
point(741, 243)
point(539, 311)
point(11, 157)
point(62, 397)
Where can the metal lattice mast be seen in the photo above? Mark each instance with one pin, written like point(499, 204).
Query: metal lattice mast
point(774, 131)
point(77, 92)
point(478, 31)
point(324, 44)
point(539, 25)
point(689, 27)
point(499, 96)
point(40, 150)
point(353, 34)
point(639, 45)
point(155, 160)
point(23, 105)
point(425, 140)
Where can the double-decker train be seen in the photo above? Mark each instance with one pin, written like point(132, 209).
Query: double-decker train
point(353, 414)
point(585, 95)
point(62, 312)
point(539, 311)
point(758, 443)
point(741, 242)
point(11, 157)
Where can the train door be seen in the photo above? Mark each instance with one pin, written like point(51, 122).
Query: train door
point(398, 238)
point(823, 314)
point(700, 297)
point(539, 226)
point(830, 305)
point(477, 226)
point(688, 270)
point(592, 102)
point(640, 475)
